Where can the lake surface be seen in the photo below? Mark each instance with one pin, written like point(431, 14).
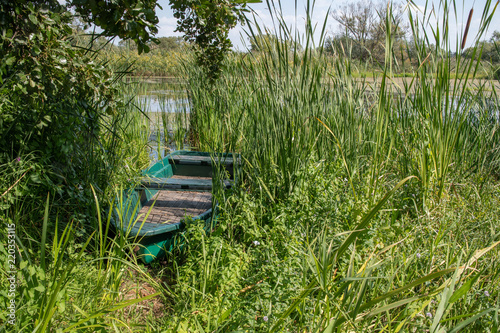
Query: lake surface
point(164, 101)
point(175, 106)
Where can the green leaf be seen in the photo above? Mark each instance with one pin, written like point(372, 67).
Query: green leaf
point(397, 291)
point(62, 306)
point(464, 288)
point(367, 218)
point(23, 264)
point(44, 232)
point(10, 61)
point(33, 18)
point(224, 315)
point(40, 288)
point(470, 320)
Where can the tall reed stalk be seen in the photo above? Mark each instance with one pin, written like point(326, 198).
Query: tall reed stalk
point(267, 106)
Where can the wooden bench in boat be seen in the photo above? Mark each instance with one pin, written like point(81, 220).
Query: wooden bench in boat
point(200, 160)
point(176, 182)
point(167, 209)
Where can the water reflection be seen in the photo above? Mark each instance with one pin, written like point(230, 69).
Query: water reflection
point(164, 101)
point(168, 111)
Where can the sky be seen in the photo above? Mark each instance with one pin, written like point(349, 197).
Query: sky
point(295, 20)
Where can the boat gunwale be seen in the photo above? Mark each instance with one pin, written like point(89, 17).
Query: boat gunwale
point(166, 228)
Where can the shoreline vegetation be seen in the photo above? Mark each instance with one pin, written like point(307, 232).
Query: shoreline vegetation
point(175, 74)
point(370, 79)
point(361, 207)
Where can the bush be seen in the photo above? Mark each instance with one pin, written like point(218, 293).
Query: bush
point(55, 101)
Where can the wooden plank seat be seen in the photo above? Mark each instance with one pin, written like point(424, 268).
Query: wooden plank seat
point(181, 183)
point(200, 160)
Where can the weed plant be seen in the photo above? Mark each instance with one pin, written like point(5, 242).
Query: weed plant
point(84, 141)
point(361, 207)
point(72, 275)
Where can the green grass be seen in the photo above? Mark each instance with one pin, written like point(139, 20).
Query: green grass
point(71, 269)
point(226, 282)
point(342, 243)
point(360, 208)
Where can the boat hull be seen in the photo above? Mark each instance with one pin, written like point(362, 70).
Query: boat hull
point(173, 192)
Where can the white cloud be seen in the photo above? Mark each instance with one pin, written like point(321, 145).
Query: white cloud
point(166, 26)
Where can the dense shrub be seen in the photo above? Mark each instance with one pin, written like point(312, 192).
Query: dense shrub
point(54, 101)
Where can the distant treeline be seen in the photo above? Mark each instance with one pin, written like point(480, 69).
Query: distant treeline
point(361, 35)
point(164, 58)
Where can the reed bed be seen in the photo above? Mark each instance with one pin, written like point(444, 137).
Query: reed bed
point(361, 208)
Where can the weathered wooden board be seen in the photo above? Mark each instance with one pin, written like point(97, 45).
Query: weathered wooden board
point(171, 207)
point(200, 160)
point(181, 183)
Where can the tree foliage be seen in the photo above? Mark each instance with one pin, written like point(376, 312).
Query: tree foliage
point(170, 43)
point(130, 19)
point(54, 101)
point(59, 104)
point(207, 24)
point(362, 27)
point(490, 50)
point(204, 23)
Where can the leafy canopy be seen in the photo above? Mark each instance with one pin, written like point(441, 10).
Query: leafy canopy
point(207, 24)
point(59, 105)
point(130, 19)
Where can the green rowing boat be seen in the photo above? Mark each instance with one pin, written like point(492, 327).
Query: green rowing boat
point(172, 192)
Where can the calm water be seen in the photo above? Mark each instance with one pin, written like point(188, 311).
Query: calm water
point(166, 102)
point(154, 103)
